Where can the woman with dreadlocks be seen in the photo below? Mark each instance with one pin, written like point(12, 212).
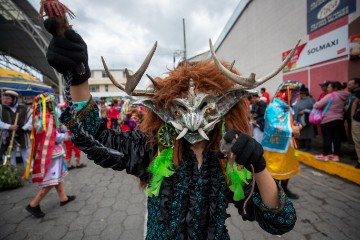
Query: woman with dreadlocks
point(194, 113)
point(49, 167)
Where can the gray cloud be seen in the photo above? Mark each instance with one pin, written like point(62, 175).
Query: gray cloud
point(124, 31)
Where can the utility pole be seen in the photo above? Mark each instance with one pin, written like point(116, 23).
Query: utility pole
point(184, 40)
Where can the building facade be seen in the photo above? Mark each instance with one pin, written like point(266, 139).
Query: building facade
point(101, 86)
point(259, 35)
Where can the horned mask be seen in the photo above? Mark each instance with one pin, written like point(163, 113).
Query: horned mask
point(194, 114)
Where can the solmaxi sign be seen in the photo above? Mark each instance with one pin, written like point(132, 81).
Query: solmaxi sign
point(328, 46)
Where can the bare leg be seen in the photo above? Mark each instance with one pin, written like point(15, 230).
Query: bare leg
point(61, 193)
point(77, 160)
point(41, 194)
point(68, 162)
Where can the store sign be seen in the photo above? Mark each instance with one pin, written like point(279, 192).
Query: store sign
point(354, 42)
point(331, 45)
point(323, 12)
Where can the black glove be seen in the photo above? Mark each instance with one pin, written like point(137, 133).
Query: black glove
point(247, 150)
point(68, 54)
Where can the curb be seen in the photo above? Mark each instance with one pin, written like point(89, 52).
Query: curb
point(335, 168)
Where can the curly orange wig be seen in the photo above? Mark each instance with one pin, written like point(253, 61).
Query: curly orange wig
point(207, 79)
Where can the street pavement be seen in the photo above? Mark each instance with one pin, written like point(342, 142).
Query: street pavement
point(110, 205)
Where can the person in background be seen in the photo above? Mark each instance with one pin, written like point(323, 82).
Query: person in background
point(302, 111)
point(354, 114)
point(323, 89)
point(279, 132)
point(265, 94)
point(8, 111)
point(113, 114)
point(103, 111)
point(257, 116)
point(353, 87)
point(69, 149)
point(128, 123)
point(332, 122)
point(49, 168)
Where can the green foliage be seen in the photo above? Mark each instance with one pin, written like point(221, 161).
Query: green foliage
point(9, 178)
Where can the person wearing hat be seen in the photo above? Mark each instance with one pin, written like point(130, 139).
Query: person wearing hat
point(8, 110)
point(257, 114)
point(47, 153)
point(302, 111)
point(279, 136)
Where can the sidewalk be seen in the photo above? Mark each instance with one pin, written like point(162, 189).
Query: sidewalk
point(344, 169)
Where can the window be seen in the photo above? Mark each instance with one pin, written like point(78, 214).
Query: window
point(106, 88)
point(103, 74)
point(94, 88)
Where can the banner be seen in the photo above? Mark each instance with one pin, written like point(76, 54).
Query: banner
point(323, 12)
point(328, 46)
point(354, 42)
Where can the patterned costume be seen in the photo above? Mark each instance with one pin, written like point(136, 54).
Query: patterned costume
point(279, 152)
point(46, 150)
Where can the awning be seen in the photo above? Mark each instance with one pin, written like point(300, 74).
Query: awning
point(24, 84)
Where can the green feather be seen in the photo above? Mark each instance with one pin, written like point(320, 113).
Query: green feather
point(237, 179)
point(161, 167)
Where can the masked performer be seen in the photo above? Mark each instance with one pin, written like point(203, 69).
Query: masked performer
point(278, 139)
point(188, 185)
point(49, 167)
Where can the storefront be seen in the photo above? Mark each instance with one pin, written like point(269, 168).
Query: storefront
point(261, 34)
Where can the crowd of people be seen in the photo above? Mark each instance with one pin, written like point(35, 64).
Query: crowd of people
point(120, 115)
point(339, 107)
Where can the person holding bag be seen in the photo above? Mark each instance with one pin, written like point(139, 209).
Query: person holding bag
point(331, 123)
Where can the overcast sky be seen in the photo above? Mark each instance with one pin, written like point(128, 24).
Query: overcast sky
point(124, 31)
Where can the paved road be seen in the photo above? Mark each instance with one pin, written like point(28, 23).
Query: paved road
point(109, 205)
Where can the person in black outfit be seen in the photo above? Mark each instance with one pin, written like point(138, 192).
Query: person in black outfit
point(258, 108)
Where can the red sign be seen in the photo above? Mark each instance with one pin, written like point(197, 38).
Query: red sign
point(292, 63)
point(354, 42)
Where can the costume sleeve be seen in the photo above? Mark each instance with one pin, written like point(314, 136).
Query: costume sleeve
point(106, 147)
point(276, 221)
point(4, 126)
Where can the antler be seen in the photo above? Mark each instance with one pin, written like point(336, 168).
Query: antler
point(133, 80)
point(250, 81)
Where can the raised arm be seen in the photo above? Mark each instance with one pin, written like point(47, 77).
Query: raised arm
point(108, 148)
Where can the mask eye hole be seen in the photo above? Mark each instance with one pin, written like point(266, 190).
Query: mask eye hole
point(203, 105)
point(177, 114)
point(208, 110)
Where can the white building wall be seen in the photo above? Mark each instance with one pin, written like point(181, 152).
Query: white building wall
point(98, 79)
point(263, 32)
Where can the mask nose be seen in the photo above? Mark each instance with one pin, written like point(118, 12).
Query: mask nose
point(194, 121)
